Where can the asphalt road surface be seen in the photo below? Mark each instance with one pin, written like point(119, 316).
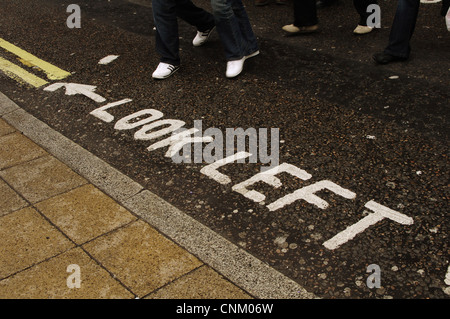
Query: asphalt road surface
point(363, 149)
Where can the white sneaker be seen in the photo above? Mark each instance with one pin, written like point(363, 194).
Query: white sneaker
point(235, 67)
point(164, 70)
point(202, 37)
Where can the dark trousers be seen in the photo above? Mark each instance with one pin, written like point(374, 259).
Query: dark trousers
point(361, 8)
point(165, 14)
point(234, 28)
point(305, 13)
point(403, 28)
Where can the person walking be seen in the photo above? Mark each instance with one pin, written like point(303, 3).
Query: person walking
point(402, 29)
point(236, 33)
point(165, 14)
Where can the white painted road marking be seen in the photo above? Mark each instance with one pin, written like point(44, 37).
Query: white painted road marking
point(307, 193)
point(105, 116)
point(108, 59)
point(176, 143)
point(212, 172)
point(126, 122)
point(269, 178)
point(75, 88)
point(380, 212)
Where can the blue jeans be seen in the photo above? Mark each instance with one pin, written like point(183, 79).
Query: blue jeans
point(234, 28)
point(403, 28)
point(165, 13)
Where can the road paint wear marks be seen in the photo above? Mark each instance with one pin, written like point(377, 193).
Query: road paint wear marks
point(212, 172)
point(269, 178)
point(108, 59)
point(307, 193)
point(75, 88)
point(17, 73)
point(53, 72)
point(176, 142)
point(105, 116)
point(380, 212)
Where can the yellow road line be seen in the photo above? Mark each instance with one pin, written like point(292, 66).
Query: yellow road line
point(53, 72)
point(16, 72)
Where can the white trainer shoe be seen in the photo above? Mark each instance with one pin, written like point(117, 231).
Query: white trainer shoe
point(235, 67)
point(202, 37)
point(164, 70)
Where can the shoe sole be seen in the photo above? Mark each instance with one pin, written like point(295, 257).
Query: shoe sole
point(251, 55)
point(165, 77)
point(362, 32)
point(397, 59)
point(301, 31)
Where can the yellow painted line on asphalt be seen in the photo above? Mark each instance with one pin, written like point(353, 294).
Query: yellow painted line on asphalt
point(17, 73)
point(53, 72)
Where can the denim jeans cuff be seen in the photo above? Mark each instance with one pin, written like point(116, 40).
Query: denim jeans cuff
point(169, 61)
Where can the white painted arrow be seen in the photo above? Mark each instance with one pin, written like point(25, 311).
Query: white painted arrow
point(75, 88)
